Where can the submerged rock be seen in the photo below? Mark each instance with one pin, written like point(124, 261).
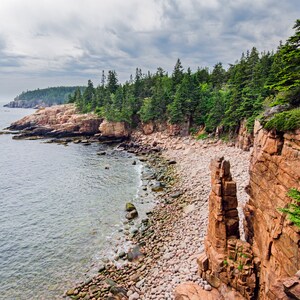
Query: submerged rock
point(101, 153)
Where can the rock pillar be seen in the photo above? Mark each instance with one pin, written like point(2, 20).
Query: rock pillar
point(227, 261)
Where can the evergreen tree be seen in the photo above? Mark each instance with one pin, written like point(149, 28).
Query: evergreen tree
point(78, 99)
point(177, 74)
point(288, 78)
point(112, 82)
point(88, 96)
point(220, 98)
point(218, 76)
point(202, 76)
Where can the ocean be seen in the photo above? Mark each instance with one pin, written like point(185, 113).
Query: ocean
point(61, 211)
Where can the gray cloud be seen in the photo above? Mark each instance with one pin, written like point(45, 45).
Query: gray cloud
point(66, 42)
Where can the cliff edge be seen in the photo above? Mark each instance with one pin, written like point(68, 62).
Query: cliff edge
point(266, 265)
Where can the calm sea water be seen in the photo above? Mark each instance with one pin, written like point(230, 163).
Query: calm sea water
point(60, 211)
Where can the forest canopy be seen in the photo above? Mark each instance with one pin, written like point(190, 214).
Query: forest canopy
point(220, 97)
point(49, 96)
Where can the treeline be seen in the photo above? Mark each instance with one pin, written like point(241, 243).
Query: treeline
point(202, 98)
point(51, 95)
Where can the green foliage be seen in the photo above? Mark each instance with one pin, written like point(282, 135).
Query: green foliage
point(177, 75)
point(215, 114)
point(51, 95)
point(225, 137)
point(216, 98)
point(287, 78)
point(294, 194)
point(193, 130)
point(202, 136)
point(218, 76)
point(293, 209)
point(146, 112)
point(285, 121)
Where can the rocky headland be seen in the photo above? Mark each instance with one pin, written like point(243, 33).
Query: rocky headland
point(62, 121)
point(193, 244)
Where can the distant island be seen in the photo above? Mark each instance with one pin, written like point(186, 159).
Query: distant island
point(44, 97)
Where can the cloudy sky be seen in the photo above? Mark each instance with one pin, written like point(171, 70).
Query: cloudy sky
point(66, 42)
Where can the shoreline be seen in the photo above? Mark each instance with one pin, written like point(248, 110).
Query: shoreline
point(167, 251)
point(167, 248)
point(151, 159)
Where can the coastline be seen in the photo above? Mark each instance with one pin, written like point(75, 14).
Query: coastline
point(165, 247)
point(166, 252)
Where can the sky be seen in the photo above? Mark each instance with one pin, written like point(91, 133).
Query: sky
point(66, 42)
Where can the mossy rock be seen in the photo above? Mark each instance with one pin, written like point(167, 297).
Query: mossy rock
point(70, 292)
point(130, 206)
point(284, 121)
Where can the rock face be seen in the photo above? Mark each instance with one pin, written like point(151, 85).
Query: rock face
point(59, 120)
point(274, 169)
point(227, 261)
point(148, 128)
point(192, 291)
point(266, 265)
point(114, 129)
point(168, 128)
point(244, 139)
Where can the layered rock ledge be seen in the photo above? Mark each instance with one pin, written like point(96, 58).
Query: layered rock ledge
point(66, 121)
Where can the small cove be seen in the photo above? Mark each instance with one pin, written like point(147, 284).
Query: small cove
point(60, 211)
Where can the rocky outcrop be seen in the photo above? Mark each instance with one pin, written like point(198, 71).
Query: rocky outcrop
point(266, 265)
point(227, 261)
point(274, 169)
point(244, 139)
point(114, 129)
point(148, 128)
point(165, 127)
point(192, 291)
point(60, 120)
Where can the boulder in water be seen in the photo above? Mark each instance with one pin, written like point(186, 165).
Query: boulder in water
point(130, 206)
point(132, 214)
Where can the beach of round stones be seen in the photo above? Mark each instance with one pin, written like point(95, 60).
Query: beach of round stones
point(166, 246)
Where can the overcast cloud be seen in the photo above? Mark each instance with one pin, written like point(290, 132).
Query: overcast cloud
point(65, 42)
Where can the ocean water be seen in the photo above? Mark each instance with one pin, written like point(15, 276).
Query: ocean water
point(60, 211)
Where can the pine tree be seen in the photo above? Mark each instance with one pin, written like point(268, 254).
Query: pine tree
point(218, 76)
point(288, 78)
point(112, 82)
point(88, 95)
point(177, 74)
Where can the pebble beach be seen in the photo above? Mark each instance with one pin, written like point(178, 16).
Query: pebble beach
point(165, 254)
